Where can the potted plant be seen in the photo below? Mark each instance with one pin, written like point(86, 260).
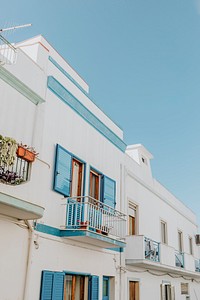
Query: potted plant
point(8, 147)
point(27, 153)
point(84, 225)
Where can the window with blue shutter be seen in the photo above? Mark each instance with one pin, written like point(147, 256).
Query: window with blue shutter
point(46, 285)
point(109, 187)
point(52, 285)
point(93, 293)
point(62, 175)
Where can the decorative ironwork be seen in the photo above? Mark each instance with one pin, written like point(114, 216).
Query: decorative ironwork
point(87, 213)
point(16, 173)
point(152, 249)
point(197, 265)
point(179, 259)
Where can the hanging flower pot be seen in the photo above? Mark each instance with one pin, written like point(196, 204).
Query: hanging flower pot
point(26, 154)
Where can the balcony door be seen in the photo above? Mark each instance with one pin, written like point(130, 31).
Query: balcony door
point(134, 290)
point(167, 292)
point(94, 185)
point(76, 287)
point(132, 219)
point(77, 178)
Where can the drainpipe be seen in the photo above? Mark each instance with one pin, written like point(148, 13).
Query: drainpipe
point(28, 259)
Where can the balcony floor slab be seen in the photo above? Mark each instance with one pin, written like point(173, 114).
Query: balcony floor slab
point(93, 238)
point(17, 208)
point(151, 265)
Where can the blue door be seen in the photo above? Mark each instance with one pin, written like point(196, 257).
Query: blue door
point(105, 288)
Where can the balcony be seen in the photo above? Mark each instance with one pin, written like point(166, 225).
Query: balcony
point(146, 253)
point(91, 221)
point(8, 52)
point(141, 250)
point(21, 192)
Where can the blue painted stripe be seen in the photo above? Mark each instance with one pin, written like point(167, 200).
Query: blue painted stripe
point(67, 75)
point(47, 229)
point(60, 91)
point(77, 84)
point(68, 233)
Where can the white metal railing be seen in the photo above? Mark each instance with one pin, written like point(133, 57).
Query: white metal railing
point(197, 265)
point(152, 249)
point(8, 52)
point(179, 259)
point(85, 212)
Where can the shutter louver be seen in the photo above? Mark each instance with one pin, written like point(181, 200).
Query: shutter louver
point(46, 285)
point(94, 288)
point(62, 175)
point(74, 214)
point(109, 191)
point(58, 286)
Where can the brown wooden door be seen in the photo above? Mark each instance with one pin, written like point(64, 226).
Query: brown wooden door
point(133, 290)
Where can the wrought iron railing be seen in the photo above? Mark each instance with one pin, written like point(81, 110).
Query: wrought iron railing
point(197, 265)
point(15, 173)
point(152, 249)
point(87, 213)
point(8, 52)
point(179, 259)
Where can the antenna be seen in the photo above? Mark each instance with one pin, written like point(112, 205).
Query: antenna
point(15, 27)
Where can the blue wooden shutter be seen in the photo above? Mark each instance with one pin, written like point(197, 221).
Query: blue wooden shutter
point(62, 175)
point(93, 288)
point(109, 187)
point(58, 286)
point(46, 285)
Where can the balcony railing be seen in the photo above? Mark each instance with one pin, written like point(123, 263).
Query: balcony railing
point(87, 213)
point(8, 52)
point(197, 265)
point(179, 259)
point(15, 173)
point(151, 249)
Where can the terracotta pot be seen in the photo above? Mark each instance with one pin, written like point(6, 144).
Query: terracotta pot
point(25, 154)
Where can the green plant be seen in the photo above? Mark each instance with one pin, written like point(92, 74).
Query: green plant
point(8, 148)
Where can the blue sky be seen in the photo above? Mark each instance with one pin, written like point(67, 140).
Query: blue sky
point(141, 60)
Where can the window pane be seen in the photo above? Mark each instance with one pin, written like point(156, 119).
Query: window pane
point(105, 287)
point(131, 225)
point(163, 232)
point(180, 241)
point(68, 285)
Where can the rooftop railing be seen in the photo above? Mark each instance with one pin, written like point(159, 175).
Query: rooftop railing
point(87, 213)
point(8, 52)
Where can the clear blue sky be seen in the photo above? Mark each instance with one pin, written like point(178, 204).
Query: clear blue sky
point(141, 59)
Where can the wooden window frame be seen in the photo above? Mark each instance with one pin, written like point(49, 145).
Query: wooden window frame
point(180, 241)
point(132, 207)
point(80, 176)
point(190, 239)
point(97, 184)
point(164, 238)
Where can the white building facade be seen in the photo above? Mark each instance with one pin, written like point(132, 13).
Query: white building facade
point(82, 218)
